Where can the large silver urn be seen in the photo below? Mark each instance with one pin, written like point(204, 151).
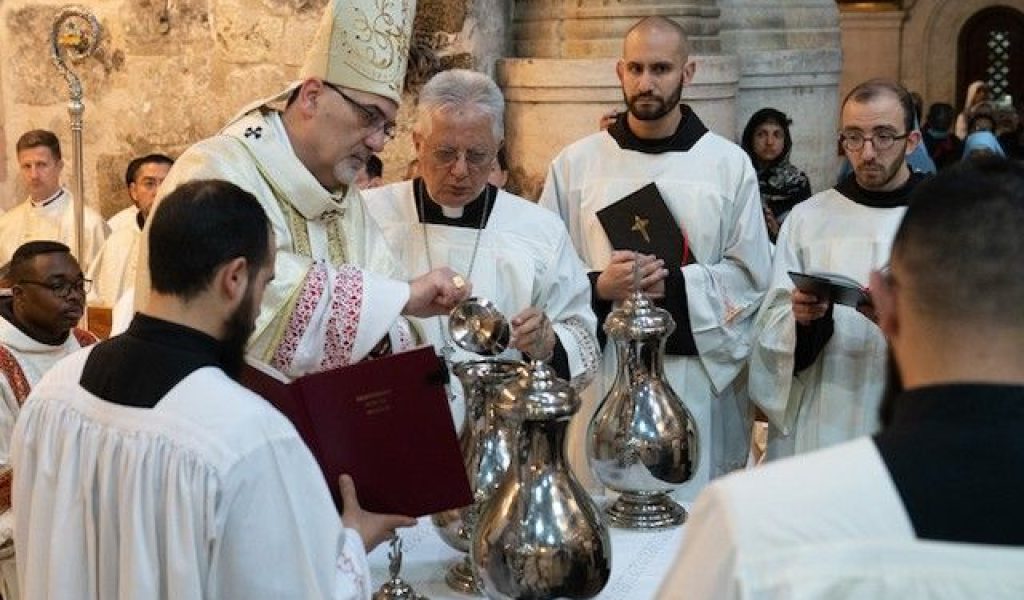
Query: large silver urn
point(487, 440)
point(642, 441)
point(540, 536)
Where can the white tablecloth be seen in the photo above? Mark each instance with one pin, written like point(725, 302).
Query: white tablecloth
point(639, 561)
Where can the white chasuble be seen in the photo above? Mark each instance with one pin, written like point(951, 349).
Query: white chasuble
point(54, 221)
point(523, 258)
point(209, 494)
point(337, 290)
point(837, 397)
point(712, 192)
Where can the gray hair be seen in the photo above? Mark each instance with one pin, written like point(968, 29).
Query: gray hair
point(457, 88)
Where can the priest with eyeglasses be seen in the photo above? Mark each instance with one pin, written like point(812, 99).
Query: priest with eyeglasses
point(515, 253)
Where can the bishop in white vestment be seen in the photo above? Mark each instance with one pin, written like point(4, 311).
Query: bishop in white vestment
point(338, 293)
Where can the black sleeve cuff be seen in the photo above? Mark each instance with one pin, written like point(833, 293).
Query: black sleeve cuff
point(600, 307)
point(681, 342)
point(811, 340)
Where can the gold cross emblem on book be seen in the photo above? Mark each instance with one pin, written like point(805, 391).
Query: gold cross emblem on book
point(641, 226)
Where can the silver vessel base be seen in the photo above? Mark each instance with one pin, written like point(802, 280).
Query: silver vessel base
point(649, 511)
point(396, 589)
point(460, 578)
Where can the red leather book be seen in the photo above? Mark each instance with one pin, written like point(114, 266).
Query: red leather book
point(385, 422)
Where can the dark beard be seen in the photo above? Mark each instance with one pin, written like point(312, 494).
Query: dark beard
point(892, 391)
point(658, 111)
point(237, 330)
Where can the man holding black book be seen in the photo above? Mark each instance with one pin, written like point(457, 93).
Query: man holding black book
point(819, 365)
point(659, 192)
point(145, 471)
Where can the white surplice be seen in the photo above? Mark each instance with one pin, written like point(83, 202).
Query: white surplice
point(524, 258)
point(55, 221)
point(712, 192)
point(30, 361)
point(114, 268)
point(829, 524)
point(837, 397)
point(210, 494)
point(336, 291)
point(125, 218)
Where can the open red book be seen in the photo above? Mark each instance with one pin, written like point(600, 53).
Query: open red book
point(385, 422)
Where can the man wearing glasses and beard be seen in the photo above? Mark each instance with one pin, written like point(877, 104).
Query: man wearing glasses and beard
point(818, 370)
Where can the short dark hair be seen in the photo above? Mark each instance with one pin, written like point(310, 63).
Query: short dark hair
point(940, 116)
point(374, 166)
point(872, 88)
point(18, 269)
point(959, 246)
point(133, 167)
point(199, 227)
point(38, 138)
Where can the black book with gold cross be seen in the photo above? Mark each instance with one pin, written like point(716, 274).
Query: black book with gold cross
point(642, 221)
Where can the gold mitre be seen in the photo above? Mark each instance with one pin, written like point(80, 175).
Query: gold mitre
point(360, 44)
point(363, 45)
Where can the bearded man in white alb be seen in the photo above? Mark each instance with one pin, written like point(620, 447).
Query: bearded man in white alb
point(709, 186)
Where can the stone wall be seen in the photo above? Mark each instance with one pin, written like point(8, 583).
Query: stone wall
point(170, 73)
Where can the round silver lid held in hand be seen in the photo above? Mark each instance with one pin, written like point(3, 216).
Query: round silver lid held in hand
point(476, 325)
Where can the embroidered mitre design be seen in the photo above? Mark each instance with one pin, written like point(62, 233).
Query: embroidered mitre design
point(363, 45)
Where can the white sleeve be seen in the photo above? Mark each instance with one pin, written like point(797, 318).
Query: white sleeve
point(280, 535)
point(705, 567)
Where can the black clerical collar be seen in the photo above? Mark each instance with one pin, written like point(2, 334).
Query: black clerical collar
point(7, 312)
point(960, 403)
point(890, 199)
point(429, 211)
point(687, 134)
point(140, 220)
point(139, 367)
point(50, 200)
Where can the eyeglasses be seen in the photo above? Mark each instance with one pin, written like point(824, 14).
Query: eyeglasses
point(370, 116)
point(63, 288)
point(882, 140)
point(475, 159)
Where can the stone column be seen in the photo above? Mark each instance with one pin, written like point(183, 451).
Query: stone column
point(871, 45)
point(563, 78)
point(790, 59)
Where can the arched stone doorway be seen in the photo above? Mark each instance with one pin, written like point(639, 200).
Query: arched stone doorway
point(985, 45)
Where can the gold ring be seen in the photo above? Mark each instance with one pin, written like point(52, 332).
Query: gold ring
point(458, 282)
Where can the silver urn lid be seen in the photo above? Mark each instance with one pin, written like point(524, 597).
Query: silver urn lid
point(538, 395)
point(637, 318)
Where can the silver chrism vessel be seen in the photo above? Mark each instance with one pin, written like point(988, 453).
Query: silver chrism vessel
point(486, 440)
point(396, 588)
point(540, 536)
point(642, 441)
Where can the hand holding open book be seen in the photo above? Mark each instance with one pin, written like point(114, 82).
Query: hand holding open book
point(832, 287)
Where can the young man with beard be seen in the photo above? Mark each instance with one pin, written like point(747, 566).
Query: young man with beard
point(711, 189)
point(339, 295)
point(818, 369)
point(930, 506)
point(144, 470)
